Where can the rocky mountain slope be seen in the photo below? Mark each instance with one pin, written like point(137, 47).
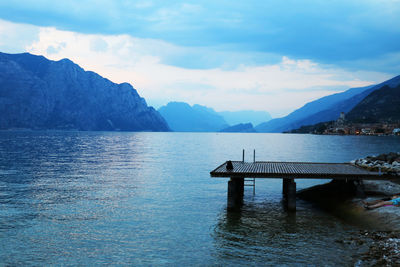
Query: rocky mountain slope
point(38, 93)
point(382, 105)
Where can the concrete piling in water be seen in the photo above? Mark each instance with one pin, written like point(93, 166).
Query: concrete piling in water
point(285, 184)
point(291, 195)
point(235, 193)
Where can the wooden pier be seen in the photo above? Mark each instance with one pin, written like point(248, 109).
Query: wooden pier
point(288, 172)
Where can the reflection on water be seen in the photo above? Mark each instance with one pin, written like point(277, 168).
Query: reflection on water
point(90, 198)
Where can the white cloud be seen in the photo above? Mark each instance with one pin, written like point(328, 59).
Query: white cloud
point(14, 37)
point(278, 88)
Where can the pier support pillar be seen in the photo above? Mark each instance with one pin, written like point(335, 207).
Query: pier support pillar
point(360, 189)
point(285, 185)
point(235, 193)
point(291, 195)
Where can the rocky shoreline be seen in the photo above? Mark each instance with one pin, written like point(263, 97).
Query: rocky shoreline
point(378, 244)
point(384, 162)
point(378, 241)
point(384, 242)
point(384, 249)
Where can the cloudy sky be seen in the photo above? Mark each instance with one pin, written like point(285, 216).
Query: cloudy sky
point(228, 55)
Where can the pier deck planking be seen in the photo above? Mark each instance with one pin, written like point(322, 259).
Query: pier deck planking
point(296, 170)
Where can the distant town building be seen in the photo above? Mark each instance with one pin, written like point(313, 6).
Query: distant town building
point(396, 131)
point(366, 131)
point(341, 120)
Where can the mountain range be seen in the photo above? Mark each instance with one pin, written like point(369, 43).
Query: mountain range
point(37, 93)
point(182, 117)
point(245, 116)
point(324, 109)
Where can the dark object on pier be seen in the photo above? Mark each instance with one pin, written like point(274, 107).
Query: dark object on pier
point(229, 165)
point(288, 171)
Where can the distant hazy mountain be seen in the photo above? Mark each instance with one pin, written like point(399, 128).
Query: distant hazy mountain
point(382, 105)
point(240, 128)
point(38, 93)
point(324, 109)
point(182, 117)
point(245, 116)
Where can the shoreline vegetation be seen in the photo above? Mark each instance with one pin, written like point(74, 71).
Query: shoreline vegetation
point(379, 243)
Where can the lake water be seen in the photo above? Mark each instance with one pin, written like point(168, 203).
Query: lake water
point(89, 198)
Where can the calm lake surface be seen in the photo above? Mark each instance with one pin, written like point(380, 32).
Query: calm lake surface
point(89, 198)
